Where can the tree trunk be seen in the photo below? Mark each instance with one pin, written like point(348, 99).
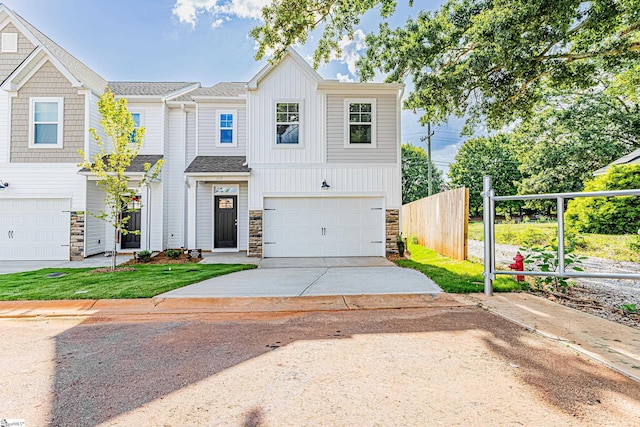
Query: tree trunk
point(115, 238)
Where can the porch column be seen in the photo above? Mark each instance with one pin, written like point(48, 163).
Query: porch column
point(192, 186)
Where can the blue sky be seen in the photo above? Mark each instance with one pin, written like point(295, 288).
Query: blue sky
point(197, 40)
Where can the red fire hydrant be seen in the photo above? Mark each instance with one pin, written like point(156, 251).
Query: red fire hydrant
point(518, 265)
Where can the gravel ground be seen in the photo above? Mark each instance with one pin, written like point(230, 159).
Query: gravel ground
point(607, 294)
point(445, 366)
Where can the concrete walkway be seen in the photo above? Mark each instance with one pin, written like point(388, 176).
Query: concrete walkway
point(612, 344)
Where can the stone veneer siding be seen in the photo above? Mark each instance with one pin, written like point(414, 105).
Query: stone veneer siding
point(77, 236)
point(392, 227)
point(47, 82)
point(255, 234)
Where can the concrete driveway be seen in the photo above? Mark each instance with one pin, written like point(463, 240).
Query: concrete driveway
point(94, 261)
point(287, 277)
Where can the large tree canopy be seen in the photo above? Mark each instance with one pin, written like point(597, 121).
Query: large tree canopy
point(494, 156)
point(415, 173)
point(486, 59)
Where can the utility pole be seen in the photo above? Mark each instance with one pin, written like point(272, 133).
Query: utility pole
point(429, 165)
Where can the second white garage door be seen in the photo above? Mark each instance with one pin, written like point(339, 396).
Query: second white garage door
point(34, 229)
point(323, 226)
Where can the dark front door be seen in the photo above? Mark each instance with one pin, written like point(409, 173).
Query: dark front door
point(131, 240)
point(225, 226)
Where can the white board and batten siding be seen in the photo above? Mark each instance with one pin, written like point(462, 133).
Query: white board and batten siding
point(288, 84)
point(306, 180)
point(386, 149)
point(323, 226)
point(204, 221)
point(33, 228)
point(209, 126)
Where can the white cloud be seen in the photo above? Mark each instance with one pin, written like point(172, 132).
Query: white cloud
point(351, 50)
point(344, 78)
point(187, 11)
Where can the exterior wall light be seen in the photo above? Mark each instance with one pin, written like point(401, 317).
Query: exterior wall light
point(325, 186)
point(3, 185)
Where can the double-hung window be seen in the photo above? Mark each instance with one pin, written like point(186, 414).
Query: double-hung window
point(360, 119)
point(46, 124)
point(227, 128)
point(287, 123)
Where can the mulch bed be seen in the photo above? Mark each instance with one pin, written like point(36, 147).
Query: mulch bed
point(162, 258)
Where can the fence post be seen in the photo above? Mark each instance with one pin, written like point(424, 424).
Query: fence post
point(561, 250)
point(487, 217)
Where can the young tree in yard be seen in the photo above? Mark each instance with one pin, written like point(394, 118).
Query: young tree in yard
point(483, 59)
point(111, 163)
point(493, 156)
point(415, 165)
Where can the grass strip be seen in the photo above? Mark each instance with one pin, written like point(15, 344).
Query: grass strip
point(451, 275)
point(79, 283)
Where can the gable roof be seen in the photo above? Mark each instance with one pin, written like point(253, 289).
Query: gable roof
point(220, 90)
point(157, 89)
point(79, 70)
point(295, 56)
point(631, 158)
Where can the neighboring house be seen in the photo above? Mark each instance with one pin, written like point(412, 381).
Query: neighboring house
point(285, 165)
point(629, 159)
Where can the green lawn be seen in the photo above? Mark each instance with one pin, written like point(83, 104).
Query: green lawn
point(452, 275)
point(618, 248)
point(77, 283)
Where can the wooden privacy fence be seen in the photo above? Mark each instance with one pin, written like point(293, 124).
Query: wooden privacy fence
point(440, 222)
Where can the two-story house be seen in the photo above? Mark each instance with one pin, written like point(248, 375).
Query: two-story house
point(287, 164)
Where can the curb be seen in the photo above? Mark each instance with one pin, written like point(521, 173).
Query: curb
point(147, 306)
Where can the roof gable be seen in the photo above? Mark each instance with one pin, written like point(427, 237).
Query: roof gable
point(296, 58)
point(59, 57)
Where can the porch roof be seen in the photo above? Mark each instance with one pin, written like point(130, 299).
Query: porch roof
point(218, 164)
point(137, 164)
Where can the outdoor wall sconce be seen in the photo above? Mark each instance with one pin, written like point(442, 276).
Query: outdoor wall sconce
point(325, 186)
point(3, 184)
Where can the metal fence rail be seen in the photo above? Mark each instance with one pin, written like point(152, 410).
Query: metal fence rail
point(489, 216)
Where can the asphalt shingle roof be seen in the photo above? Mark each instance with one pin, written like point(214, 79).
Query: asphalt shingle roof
point(633, 157)
point(218, 164)
point(137, 164)
point(148, 88)
point(224, 89)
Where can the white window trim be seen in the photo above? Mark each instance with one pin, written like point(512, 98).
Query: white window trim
point(374, 123)
point(234, 128)
point(60, 123)
point(5, 38)
point(300, 103)
point(141, 113)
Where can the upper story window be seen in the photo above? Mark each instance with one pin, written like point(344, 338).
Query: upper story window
point(360, 129)
point(45, 127)
point(137, 119)
point(287, 123)
point(227, 129)
point(10, 42)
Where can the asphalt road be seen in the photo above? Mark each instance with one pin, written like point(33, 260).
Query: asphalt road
point(436, 366)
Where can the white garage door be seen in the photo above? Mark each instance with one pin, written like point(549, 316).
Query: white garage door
point(34, 229)
point(323, 226)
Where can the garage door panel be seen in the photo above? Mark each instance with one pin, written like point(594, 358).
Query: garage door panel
point(34, 229)
point(323, 226)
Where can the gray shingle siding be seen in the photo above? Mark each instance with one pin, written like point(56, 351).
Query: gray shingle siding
point(48, 82)
point(9, 61)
